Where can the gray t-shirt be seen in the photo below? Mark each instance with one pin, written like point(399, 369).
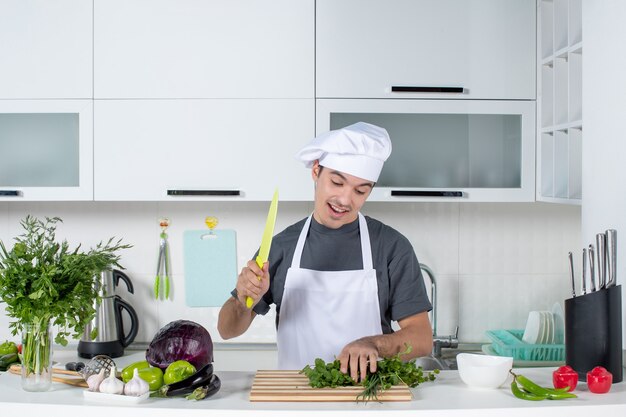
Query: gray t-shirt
point(401, 290)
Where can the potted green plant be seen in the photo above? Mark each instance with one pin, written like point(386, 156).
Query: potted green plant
point(44, 283)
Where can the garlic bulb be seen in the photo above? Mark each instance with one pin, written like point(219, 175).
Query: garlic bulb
point(112, 385)
point(136, 387)
point(94, 381)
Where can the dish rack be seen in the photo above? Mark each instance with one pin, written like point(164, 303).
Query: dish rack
point(510, 343)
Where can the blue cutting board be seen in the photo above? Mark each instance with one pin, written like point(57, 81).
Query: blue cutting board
point(210, 267)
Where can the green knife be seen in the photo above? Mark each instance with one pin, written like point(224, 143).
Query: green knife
point(266, 241)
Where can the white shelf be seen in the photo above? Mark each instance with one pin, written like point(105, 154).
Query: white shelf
point(560, 113)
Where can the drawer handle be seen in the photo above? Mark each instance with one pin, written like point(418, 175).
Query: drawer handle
point(196, 193)
point(408, 193)
point(411, 89)
point(10, 193)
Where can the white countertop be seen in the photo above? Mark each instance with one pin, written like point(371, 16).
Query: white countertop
point(445, 396)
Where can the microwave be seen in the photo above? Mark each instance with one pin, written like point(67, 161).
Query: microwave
point(446, 150)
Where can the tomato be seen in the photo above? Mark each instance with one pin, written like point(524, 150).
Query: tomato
point(599, 380)
point(565, 376)
point(177, 371)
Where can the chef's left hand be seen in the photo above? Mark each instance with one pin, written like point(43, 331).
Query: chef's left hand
point(356, 355)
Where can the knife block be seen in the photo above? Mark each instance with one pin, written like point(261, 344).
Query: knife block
point(593, 332)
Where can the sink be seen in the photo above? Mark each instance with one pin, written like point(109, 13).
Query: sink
point(429, 363)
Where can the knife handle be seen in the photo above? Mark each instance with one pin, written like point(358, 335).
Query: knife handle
point(592, 269)
point(601, 255)
point(611, 256)
point(249, 300)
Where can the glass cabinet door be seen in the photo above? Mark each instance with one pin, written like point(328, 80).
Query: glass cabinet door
point(46, 150)
point(476, 150)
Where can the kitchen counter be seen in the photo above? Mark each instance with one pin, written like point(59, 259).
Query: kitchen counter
point(446, 396)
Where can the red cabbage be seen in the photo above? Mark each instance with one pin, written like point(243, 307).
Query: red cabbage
point(181, 340)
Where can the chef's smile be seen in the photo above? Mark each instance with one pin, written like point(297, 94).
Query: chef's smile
point(339, 196)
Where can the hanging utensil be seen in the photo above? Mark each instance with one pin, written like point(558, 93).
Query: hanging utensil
point(571, 273)
point(163, 264)
point(601, 254)
point(592, 269)
point(611, 254)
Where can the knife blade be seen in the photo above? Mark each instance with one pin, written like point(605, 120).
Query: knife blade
point(611, 255)
point(266, 240)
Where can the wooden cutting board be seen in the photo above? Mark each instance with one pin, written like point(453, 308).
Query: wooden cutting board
point(74, 378)
point(291, 386)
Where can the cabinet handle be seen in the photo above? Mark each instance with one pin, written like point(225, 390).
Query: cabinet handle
point(187, 193)
point(411, 89)
point(407, 193)
point(10, 193)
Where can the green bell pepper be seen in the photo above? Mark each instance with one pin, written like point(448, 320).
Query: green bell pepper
point(177, 371)
point(127, 373)
point(7, 348)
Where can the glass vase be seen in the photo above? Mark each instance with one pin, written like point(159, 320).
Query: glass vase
point(36, 357)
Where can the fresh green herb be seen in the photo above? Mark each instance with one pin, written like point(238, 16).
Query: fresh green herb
point(42, 281)
point(389, 371)
point(324, 375)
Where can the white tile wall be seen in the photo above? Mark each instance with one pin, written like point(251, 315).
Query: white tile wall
point(493, 262)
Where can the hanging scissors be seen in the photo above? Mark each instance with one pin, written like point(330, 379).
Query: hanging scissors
point(163, 265)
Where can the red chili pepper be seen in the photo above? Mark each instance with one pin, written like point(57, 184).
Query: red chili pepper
point(599, 380)
point(565, 376)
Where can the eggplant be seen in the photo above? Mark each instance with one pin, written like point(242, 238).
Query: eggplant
point(206, 391)
point(187, 385)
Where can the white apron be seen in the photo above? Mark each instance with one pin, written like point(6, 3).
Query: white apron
point(322, 311)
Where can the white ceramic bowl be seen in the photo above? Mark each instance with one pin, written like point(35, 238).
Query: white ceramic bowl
point(483, 371)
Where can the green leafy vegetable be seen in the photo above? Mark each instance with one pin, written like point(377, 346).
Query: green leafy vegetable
point(43, 281)
point(389, 371)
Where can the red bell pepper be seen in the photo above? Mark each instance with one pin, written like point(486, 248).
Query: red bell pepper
point(565, 376)
point(599, 380)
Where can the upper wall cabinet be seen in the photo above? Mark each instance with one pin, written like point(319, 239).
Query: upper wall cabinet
point(480, 49)
point(46, 150)
point(215, 150)
point(204, 49)
point(46, 49)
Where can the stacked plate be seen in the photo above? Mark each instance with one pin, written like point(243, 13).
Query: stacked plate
point(541, 328)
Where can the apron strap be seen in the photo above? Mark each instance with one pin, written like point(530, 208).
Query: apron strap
point(295, 263)
point(366, 248)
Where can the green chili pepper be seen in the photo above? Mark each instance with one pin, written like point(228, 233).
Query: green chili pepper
point(523, 395)
point(534, 392)
point(533, 388)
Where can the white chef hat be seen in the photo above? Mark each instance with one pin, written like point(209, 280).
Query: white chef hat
point(359, 149)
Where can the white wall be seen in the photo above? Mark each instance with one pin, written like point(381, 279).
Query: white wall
point(494, 262)
point(604, 112)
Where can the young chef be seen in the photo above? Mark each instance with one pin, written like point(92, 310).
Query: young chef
point(338, 278)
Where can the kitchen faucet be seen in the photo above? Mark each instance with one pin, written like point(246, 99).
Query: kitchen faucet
point(439, 342)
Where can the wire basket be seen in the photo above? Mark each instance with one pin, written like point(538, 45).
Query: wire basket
point(96, 364)
point(510, 343)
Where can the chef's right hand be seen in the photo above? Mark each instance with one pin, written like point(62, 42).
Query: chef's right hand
point(253, 282)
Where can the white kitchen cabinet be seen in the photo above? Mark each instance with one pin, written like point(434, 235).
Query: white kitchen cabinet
point(46, 150)
point(217, 150)
point(45, 49)
point(204, 49)
point(559, 102)
point(485, 48)
point(446, 150)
